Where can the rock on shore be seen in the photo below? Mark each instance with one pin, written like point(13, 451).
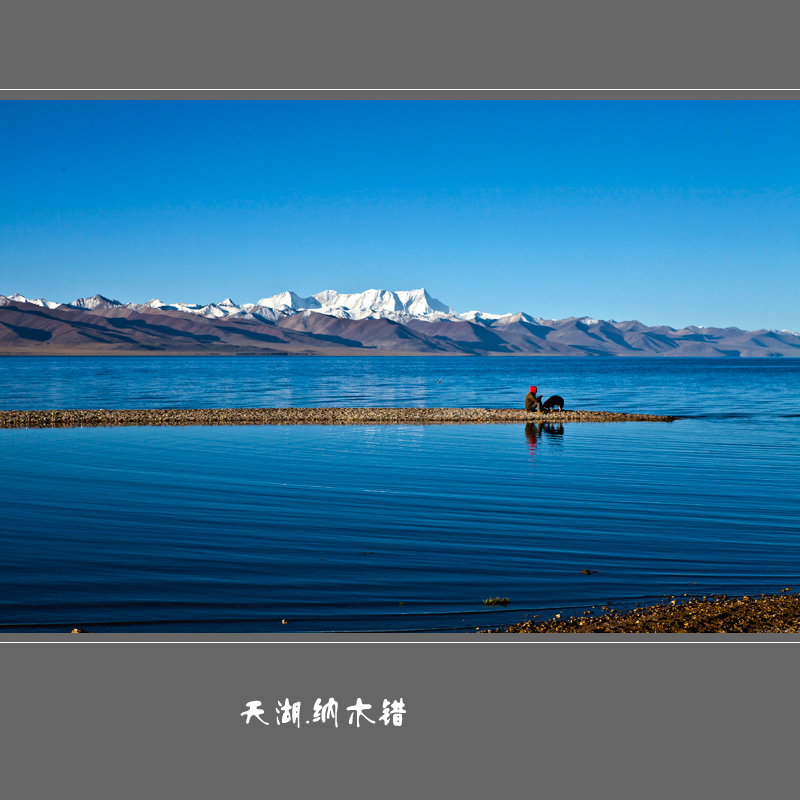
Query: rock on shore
point(67, 418)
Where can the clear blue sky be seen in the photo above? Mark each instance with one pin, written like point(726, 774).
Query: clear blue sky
point(669, 212)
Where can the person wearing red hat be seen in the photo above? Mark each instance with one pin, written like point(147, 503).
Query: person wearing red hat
point(532, 402)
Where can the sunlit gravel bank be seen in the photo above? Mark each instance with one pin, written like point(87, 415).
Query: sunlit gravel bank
point(779, 613)
point(302, 416)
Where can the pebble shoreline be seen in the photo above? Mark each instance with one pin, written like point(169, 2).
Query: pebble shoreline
point(777, 613)
point(69, 418)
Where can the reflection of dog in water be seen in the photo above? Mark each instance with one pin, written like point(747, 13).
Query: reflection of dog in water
point(533, 430)
point(556, 401)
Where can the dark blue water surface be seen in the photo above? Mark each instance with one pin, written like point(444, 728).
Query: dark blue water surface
point(365, 528)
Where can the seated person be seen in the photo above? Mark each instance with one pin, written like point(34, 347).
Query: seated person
point(532, 402)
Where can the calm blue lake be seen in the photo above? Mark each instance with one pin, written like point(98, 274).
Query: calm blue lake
point(369, 528)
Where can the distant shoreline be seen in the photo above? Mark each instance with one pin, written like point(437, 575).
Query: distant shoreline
point(243, 352)
point(81, 418)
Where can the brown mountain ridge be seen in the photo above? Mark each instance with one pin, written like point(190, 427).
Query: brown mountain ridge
point(27, 328)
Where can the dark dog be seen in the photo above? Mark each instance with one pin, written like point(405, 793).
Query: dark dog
point(556, 401)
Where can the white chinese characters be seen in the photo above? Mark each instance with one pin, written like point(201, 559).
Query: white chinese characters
point(254, 710)
point(395, 711)
point(325, 712)
point(289, 713)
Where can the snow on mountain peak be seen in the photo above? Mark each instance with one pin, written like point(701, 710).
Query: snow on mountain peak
point(400, 306)
point(96, 301)
point(383, 303)
point(419, 303)
point(18, 298)
point(371, 303)
point(288, 301)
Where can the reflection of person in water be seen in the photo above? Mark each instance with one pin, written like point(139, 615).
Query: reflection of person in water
point(532, 432)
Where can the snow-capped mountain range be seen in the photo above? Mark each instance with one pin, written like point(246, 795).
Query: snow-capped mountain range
point(374, 304)
point(372, 322)
point(404, 306)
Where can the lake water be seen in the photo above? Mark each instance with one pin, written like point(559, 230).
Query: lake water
point(368, 528)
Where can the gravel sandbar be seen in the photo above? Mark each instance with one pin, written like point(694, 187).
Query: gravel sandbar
point(98, 417)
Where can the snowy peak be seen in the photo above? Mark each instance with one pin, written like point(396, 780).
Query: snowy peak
point(287, 301)
point(18, 298)
point(508, 319)
point(419, 303)
point(94, 302)
point(381, 303)
point(375, 303)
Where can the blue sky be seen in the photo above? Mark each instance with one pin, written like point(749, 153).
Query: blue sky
point(672, 213)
